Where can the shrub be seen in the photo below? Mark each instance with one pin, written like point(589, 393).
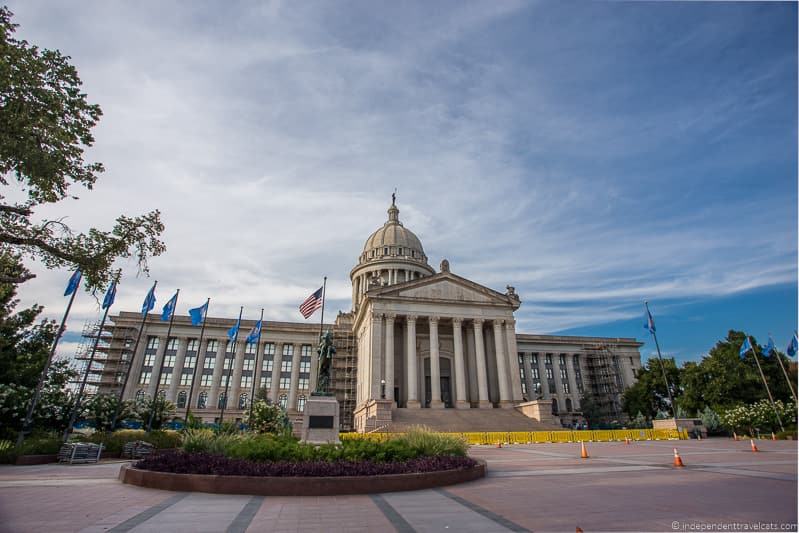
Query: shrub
point(783, 435)
point(203, 463)
point(206, 441)
point(428, 444)
point(114, 441)
point(7, 452)
point(268, 418)
point(40, 444)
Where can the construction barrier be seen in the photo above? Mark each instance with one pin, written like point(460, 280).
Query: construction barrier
point(535, 437)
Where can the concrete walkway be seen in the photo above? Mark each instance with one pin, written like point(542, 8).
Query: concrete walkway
point(542, 487)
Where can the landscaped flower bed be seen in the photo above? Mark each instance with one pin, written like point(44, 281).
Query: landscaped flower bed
point(211, 464)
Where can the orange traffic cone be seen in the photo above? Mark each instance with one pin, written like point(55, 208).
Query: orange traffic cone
point(578, 530)
point(626, 440)
point(773, 436)
point(677, 458)
point(583, 451)
point(499, 445)
point(754, 447)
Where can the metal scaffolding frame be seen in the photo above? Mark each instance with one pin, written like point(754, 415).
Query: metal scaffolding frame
point(604, 377)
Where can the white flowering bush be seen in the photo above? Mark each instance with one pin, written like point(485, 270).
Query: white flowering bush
point(759, 416)
point(268, 418)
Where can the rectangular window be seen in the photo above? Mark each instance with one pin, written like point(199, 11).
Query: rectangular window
point(190, 361)
point(149, 359)
point(192, 345)
point(169, 361)
point(166, 378)
point(229, 347)
point(563, 373)
point(548, 359)
point(269, 348)
point(249, 348)
point(228, 363)
point(534, 372)
point(267, 365)
point(246, 381)
point(173, 344)
point(248, 364)
point(285, 366)
point(206, 380)
point(285, 383)
point(521, 359)
point(288, 350)
point(152, 343)
point(266, 382)
point(305, 350)
point(534, 360)
point(212, 346)
point(549, 373)
point(145, 377)
point(562, 359)
point(185, 379)
point(305, 365)
point(209, 363)
point(303, 383)
point(566, 387)
point(524, 387)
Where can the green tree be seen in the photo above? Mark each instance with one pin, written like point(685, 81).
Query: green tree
point(45, 127)
point(649, 395)
point(100, 409)
point(268, 418)
point(711, 420)
point(592, 413)
point(164, 411)
point(52, 411)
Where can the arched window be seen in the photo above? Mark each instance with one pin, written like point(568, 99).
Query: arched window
point(568, 405)
point(182, 399)
point(222, 401)
point(283, 401)
point(202, 401)
point(554, 406)
point(243, 401)
point(140, 395)
point(301, 403)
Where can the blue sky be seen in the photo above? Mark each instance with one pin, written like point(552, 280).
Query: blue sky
point(592, 154)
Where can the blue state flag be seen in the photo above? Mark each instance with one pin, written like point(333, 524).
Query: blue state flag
point(169, 308)
point(73, 283)
point(650, 322)
point(232, 332)
point(198, 314)
point(255, 333)
point(745, 347)
point(793, 346)
point(769, 349)
point(110, 294)
point(149, 301)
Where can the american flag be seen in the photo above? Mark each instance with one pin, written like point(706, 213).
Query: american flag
point(311, 304)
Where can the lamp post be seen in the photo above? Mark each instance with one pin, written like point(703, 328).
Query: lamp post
point(382, 389)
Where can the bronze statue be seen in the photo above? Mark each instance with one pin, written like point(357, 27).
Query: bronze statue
point(326, 352)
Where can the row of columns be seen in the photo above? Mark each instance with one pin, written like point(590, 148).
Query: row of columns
point(360, 283)
point(504, 346)
point(217, 382)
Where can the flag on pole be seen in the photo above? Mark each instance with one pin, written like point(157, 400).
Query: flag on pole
point(73, 283)
point(650, 322)
point(311, 303)
point(149, 301)
point(745, 347)
point(231, 333)
point(792, 346)
point(110, 294)
point(255, 333)
point(198, 314)
point(169, 308)
point(769, 347)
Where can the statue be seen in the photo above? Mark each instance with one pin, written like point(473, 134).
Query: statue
point(326, 352)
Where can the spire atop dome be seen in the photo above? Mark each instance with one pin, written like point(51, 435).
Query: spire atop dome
point(393, 211)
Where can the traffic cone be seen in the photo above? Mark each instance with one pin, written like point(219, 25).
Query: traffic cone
point(677, 458)
point(626, 440)
point(499, 445)
point(583, 451)
point(698, 436)
point(754, 447)
point(773, 436)
point(578, 530)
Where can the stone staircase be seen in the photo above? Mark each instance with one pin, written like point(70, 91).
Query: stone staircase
point(465, 420)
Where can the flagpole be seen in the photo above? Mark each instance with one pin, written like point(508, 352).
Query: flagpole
point(662, 368)
point(255, 368)
point(76, 406)
point(43, 376)
point(322, 320)
point(130, 365)
point(196, 363)
point(161, 367)
point(230, 373)
point(768, 390)
point(784, 372)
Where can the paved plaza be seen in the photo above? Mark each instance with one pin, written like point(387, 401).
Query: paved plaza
point(540, 487)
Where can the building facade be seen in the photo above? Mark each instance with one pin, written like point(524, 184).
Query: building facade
point(415, 338)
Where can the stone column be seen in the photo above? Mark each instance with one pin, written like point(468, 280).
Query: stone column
point(295, 377)
point(528, 377)
point(502, 364)
point(276, 364)
point(389, 367)
point(575, 395)
point(376, 364)
point(159, 360)
point(413, 393)
point(213, 395)
point(480, 356)
point(435, 366)
point(513, 361)
point(542, 376)
point(460, 368)
point(135, 367)
point(177, 370)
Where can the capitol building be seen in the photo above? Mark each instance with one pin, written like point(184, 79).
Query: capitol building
point(418, 346)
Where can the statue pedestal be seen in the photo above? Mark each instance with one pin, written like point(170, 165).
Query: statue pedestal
point(320, 420)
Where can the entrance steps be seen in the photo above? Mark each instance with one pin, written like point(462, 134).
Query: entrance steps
point(465, 420)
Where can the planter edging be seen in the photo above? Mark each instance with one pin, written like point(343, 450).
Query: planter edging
point(298, 486)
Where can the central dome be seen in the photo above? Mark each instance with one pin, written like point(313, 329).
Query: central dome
point(393, 239)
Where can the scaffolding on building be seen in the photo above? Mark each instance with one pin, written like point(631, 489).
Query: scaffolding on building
point(344, 374)
point(604, 376)
point(111, 359)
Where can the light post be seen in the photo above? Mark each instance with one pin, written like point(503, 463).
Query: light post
point(382, 389)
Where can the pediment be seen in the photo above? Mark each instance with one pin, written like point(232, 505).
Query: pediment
point(444, 287)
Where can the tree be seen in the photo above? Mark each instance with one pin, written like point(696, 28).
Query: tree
point(45, 127)
point(268, 418)
point(53, 410)
point(648, 395)
point(100, 409)
point(164, 410)
point(592, 413)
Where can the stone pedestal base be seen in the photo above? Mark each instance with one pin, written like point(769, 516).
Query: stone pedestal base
point(462, 405)
point(485, 404)
point(540, 410)
point(413, 404)
point(320, 421)
point(436, 404)
point(373, 415)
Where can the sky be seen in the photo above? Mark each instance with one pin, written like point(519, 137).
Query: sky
point(591, 154)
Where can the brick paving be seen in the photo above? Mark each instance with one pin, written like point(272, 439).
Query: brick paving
point(539, 487)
